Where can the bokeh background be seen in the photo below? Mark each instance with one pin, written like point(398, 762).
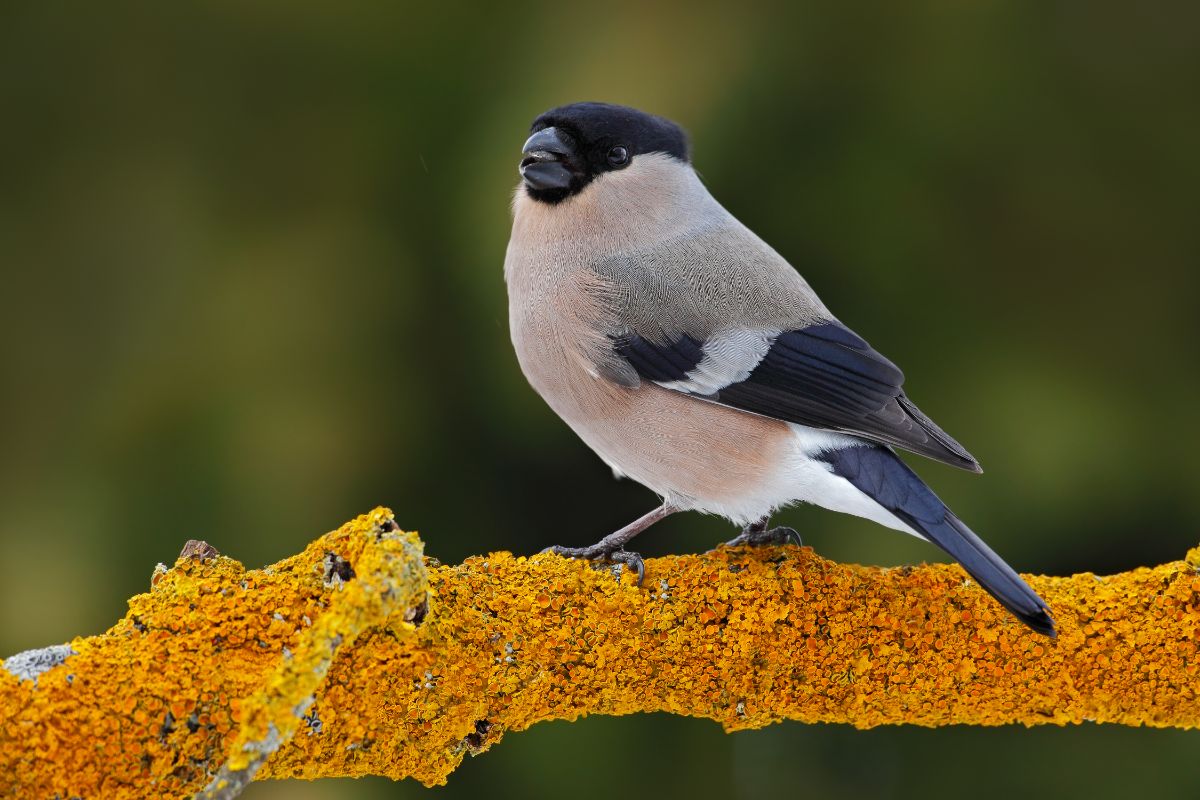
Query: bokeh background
point(251, 260)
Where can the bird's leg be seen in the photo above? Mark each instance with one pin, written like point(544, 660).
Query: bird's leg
point(612, 547)
point(757, 534)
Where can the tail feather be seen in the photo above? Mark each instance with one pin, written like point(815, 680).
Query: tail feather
point(987, 568)
point(881, 475)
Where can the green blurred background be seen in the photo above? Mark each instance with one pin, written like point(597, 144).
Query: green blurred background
point(251, 259)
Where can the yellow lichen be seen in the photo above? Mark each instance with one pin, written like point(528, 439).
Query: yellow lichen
point(351, 659)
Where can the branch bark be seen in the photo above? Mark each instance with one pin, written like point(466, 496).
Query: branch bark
point(358, 657)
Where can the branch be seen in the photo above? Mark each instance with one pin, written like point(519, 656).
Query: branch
point(356, 657)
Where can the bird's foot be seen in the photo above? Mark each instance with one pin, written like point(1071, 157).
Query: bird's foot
point(600, 553)
point(756, 536)
point(612, 547)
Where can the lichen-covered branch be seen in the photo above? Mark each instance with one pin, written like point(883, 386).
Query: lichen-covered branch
point(356, 657)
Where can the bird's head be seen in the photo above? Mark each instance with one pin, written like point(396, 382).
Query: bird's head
point(573, 145)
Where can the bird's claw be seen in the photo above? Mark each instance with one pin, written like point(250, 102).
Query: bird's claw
point(595, 553)
point(752, 537)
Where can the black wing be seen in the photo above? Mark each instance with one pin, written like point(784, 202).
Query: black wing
point(824, 376)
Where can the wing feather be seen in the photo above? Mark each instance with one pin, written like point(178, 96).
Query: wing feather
point(823, 375)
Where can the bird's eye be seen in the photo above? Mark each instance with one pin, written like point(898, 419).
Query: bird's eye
point(618, 156)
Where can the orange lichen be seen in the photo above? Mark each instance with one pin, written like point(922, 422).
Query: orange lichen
point(350, 659)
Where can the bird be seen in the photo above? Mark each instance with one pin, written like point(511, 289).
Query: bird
point(694, 359)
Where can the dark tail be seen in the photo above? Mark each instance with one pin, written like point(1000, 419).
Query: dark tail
point(882, 476)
